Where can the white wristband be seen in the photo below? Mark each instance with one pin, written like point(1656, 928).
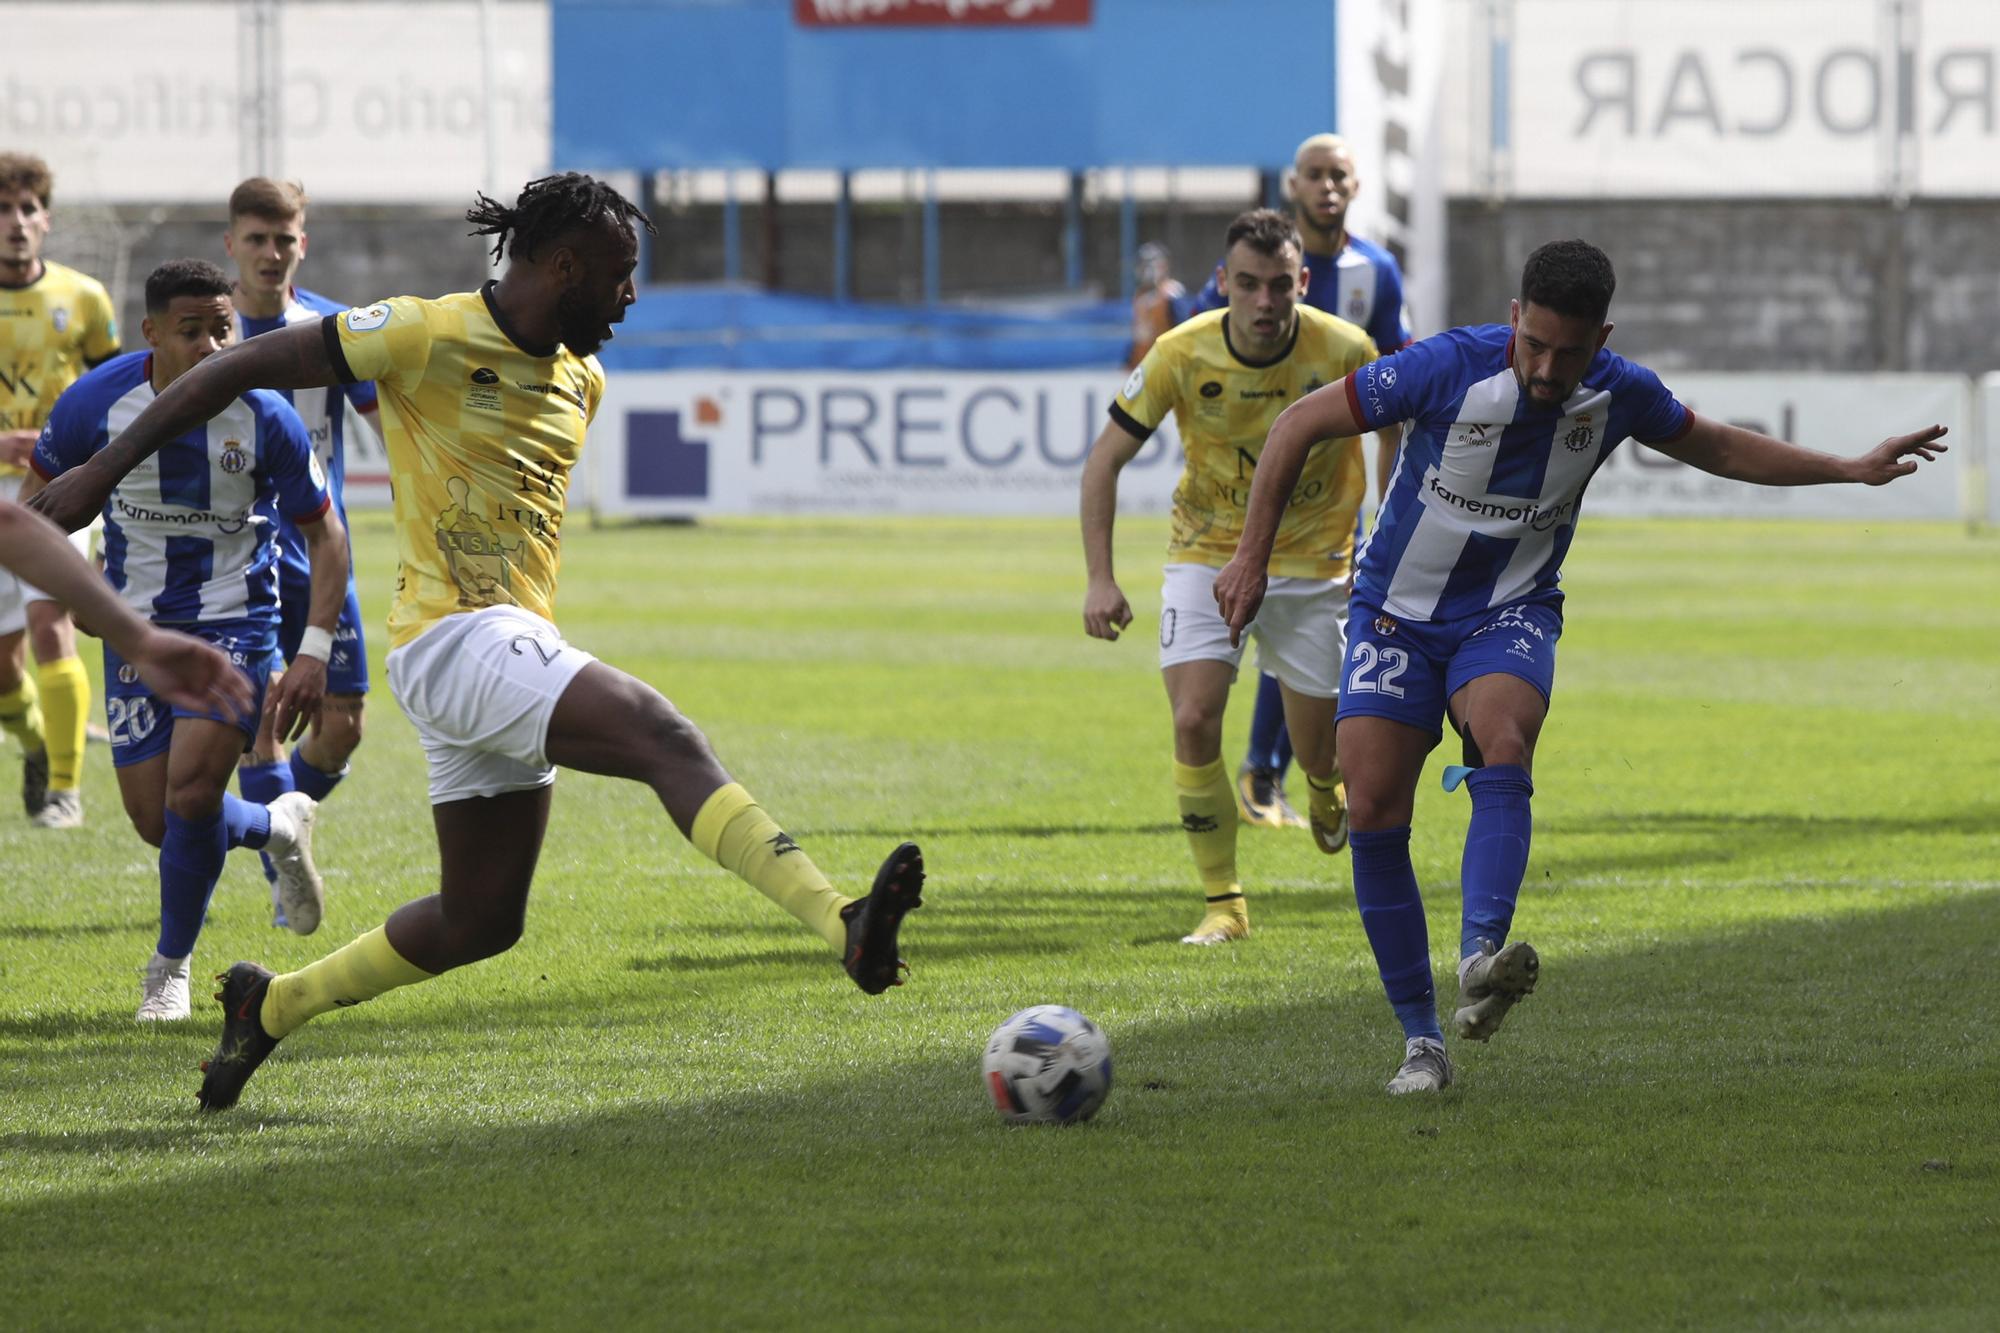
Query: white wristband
point(315, 642)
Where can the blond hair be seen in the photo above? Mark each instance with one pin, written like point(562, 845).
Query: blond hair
point(1332, 143)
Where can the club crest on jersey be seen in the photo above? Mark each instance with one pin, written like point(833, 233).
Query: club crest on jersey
point(128, 674)
point(366, 319)
point(233, 459)
point(1580, 438)
point(1212, 389)
point(1385, 625)
point(1357, 308)
point(60, 318)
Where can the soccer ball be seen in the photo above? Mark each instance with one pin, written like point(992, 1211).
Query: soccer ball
point(1047, 1066)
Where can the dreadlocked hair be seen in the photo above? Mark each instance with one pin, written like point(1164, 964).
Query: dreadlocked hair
point(547, 208)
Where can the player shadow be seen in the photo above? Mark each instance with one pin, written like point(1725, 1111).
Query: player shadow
point(1719, 1059)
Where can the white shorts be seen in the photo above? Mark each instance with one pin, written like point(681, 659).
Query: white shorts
point(1301, 629)
point(15, 594)
point(480, 687)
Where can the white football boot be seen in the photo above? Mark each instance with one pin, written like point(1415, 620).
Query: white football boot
point(163, 991)
point(301, 892)
point(1491, 982)
point(1425, 1068)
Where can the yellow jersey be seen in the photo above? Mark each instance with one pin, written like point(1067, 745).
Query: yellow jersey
point(481, 434)
point(1225, 406)
point(51, 331)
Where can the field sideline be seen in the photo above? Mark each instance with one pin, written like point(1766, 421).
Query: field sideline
point(1756, 1087)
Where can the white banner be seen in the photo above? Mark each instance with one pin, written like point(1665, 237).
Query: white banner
point(691, 443)
point(687, 443)
point(377, 102)
point(1736, 97)
point(1390, 69)
point(1838, 414)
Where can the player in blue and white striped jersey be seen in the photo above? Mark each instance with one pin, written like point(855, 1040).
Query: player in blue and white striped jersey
point(187, 546)
point(1360, 282)
point(267, 240)
point(1456, 609)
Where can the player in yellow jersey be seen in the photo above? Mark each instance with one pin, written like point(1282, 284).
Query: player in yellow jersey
point(485, 397)
point(1225, 375)
point(55, 323)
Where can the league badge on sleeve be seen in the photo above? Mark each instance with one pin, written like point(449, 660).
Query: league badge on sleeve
point(366, 319)
point(1133, 383)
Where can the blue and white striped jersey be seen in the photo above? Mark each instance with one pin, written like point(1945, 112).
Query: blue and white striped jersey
point(331, 416)
point(1487, 488)
point(184, 541)
point(1361, 284)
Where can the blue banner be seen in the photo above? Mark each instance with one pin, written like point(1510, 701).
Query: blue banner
point(741, 328)
point(667, 84)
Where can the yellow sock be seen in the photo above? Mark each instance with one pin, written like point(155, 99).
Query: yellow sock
point(1208, 813)
point(360, 971)
point(65, 704)
point(21, 715)
point(733, 831)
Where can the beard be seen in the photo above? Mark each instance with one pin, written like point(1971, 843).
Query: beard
point(579, 328)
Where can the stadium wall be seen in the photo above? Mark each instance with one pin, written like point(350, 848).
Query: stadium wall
point(1778, 284)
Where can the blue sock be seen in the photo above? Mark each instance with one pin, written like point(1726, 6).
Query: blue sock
point(1270, 746)
point(314, 782)
point(262, 784)
point(1496, 853)
point(247, 823)
point(1392, 914)
point(190, 862)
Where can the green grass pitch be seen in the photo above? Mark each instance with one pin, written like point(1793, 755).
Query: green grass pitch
point(1756, 1088)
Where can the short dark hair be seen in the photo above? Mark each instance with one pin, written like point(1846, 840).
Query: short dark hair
point(1265, 230)
point(1572, 278)
point(547, 208)
point(262, 197)
point(183, 277)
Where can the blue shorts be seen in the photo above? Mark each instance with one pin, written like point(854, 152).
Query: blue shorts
point(142, 724)
point(347, 667)
point(1407, 670)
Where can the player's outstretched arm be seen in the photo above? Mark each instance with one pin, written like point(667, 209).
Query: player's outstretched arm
point(1105, 611)
point(1745, 455)
point(294, 357)
point(294, 703)
point(1325, 413)
point(186, 671)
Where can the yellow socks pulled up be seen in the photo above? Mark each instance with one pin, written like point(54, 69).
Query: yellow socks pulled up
point(1208, 814)
point(21, 714)
point(732, 830)
point(368, 967)
point(65, 689)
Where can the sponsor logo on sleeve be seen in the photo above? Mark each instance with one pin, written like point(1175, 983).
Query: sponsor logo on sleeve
point(366, 319)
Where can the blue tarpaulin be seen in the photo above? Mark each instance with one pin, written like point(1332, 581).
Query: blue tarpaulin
point(744, 328)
